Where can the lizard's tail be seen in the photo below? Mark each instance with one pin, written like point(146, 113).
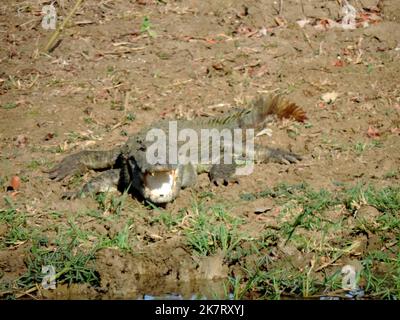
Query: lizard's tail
point(264, 108)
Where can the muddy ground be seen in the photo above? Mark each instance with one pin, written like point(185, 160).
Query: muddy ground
point(286, 231)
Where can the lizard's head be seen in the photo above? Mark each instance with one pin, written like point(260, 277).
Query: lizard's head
point(158, 183)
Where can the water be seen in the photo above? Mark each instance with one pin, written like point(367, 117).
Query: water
point(178, 290)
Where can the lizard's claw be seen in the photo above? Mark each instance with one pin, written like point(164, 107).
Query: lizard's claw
point(283, 157)
point(69, 166)
point(70, 195)
point(223, 174)
point(225, 181)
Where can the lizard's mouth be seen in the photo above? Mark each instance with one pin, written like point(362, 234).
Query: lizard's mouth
point(160, 186)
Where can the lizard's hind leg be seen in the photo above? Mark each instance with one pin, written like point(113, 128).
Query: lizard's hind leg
point(266, 154)
point(107, 181)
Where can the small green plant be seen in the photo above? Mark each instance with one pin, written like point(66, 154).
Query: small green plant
point(381, 284)
point(75, 181)
point(376, 144)
point(88, 120)
point(146, 27)
point(130, 117)
point(122, 239)
point(163, 55)
point(16, 235)
point(212, 229)
point(116, 105)
point(35, 164)
point(360, 147)
point(168, 219)
point(110, 70)
point(391, 174)
point(206, 194)
point(17, 228)
point(386, 200)
point(9, 105)
point(71, 265)
point(75, 136)
point(111, 203)
point(248, 196)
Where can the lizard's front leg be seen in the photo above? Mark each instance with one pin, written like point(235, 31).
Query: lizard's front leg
point(107, 181)
point(223, 174)
point(82, 161)
point(188, 175)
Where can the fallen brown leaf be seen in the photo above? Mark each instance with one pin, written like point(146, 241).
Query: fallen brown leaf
point(339, 63)
point(372, 132)
point(21, 141)
point(15, 183)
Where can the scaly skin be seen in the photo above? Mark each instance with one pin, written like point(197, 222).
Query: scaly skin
point(129, 166)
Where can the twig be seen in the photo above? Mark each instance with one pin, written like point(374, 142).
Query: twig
point(307, 39)
point(117, 125)
point(348, 250)
point(124, 51)
point(34, 81)
point(61, 27)
point(27, 292)
point(3, 293)
point(248, 65)
point(84, 23)
point(302, 8)
point(337, 293)
point(126, 101)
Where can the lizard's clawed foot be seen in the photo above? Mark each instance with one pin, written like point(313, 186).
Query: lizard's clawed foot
point(223, 174)
point(283, 157)
point(225, 182)
point(69, 166)
point(70, 195)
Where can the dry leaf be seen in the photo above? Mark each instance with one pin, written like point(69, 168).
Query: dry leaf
point(321, 105)
point(338, 63)
point(395, 130)
point(372, 132)
point(49, 136)
point(303, 22)
point(329, 97)
point(21, 141)
point(262, 209)
point(265, 131)
point(15, 182)
point(280, 21)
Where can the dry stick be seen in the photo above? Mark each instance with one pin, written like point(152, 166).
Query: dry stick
point(307, 39)
point(124, 51)
point(280, 7)
point(56, 33)
point(349, 249)
point(33, 289)
point(302, 8)
point(126, 101)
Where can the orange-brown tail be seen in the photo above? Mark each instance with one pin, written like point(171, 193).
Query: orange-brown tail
point(277, 105)
point(263, 108)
